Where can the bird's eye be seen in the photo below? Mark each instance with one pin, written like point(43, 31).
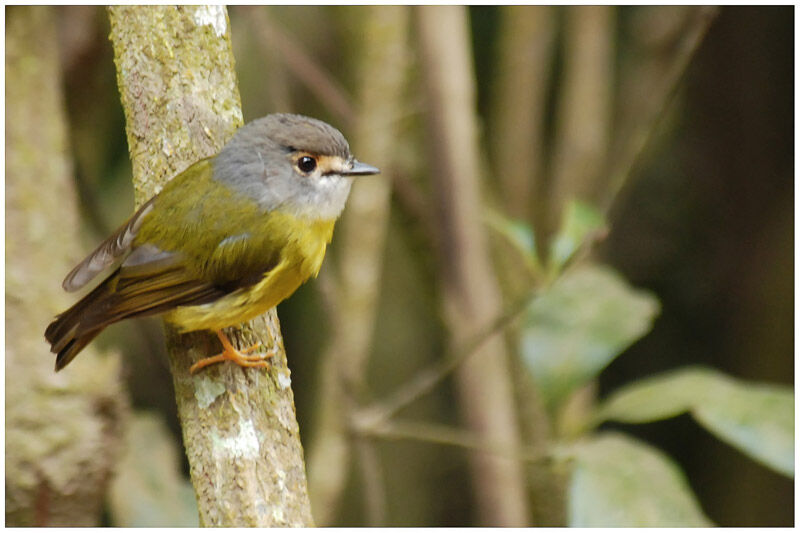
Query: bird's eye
point(306, 164)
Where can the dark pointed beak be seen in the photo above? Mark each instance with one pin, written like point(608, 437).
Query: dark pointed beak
point(361, 169)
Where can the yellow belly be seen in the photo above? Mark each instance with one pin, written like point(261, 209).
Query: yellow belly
point(301, 260)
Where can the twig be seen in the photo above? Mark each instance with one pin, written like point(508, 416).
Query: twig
point(641, 136)
point(372, 476)
point(519, 100)
point(379, 413)
point(449, 436)
point(302, 65)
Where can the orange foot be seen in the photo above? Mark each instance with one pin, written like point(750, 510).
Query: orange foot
point(229, 353)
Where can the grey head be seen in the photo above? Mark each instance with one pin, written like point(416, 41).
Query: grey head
point(296, 163)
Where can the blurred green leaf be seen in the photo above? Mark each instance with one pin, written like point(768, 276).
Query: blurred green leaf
point(149, 489)
point(579, 221)
point(656, 398)
point(519, 234)
point(757, 419)
point(579, 325)
point(618, 481)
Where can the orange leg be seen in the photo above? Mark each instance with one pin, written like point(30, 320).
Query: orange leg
point(229, 353)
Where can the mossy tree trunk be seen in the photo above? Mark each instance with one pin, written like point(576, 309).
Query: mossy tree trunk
point(176, 76)
point(62, 430)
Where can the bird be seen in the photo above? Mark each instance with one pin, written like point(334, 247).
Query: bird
point(224, 241)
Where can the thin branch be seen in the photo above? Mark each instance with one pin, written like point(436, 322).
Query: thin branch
point(641, 135)
point(380, 411)
point(372, 477)
point(318, 80)
point(524, 67)
point(584, 111)
point(449, 436)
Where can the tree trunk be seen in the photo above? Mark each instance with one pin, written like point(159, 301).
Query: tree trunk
point(176, 76)
point(62, 430)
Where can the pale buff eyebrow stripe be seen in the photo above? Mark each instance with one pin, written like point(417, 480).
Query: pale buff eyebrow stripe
point(327, 164)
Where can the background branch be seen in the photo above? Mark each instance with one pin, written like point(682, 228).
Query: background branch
point(471, 297)
point(379, 412)
point(519, 103)
point(584, 110)
point(651, 109)
point(320, 82)
point(360, 241)
point(440, 434)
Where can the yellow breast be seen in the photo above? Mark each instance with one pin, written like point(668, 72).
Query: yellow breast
point(301, 257)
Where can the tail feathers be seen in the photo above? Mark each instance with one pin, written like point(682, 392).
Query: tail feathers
point(122, 296)
point(69, 333)
point(73, 347)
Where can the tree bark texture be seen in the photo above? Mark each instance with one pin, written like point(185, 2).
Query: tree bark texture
point(175, 71)
point(62, 430)
point(471, 296)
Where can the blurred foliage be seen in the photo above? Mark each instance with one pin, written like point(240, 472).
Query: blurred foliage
point(702, 228)
point(756, 418)
point(578, 325)
point(621, 482)
point(580, 223)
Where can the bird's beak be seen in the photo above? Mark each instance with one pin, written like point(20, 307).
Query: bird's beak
point(361, 169)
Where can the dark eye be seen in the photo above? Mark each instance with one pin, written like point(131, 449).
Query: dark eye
point(306, 164)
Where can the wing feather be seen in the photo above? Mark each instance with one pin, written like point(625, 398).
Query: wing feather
point(111, 249)
point(149, 281)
